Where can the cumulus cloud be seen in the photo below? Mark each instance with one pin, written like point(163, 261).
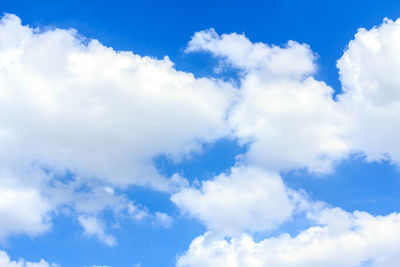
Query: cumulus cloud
point(289, 118)
point(369, 74)
point(97, 112)
point(71, 105)
point(359, 238)
point(23, 209)
point(291, 121)
point(68, 104)
point(294, 61)
point(246, 199)
point(5, 261)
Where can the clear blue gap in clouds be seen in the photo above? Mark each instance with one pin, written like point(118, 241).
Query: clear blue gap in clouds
point(213, 159)
point(354, 185)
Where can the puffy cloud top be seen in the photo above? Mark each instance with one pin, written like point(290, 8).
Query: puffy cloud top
point(65, 104)
point(369, 74)
point(360, 240)
point(246, 199)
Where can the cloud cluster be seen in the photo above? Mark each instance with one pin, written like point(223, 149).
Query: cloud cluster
point(291, 121)
point(75, 114)
point(359, 238)
point(79, 122)
point(289, 118)
point(96, 112)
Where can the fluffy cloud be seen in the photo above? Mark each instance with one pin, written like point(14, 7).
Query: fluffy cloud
point(5, 261)
point(73, 107)
point(291, 121)
point(99, 113)
point(23, 209)
point(289, 118)
point(371, 84)
point(247, 199)
point(28, 200)
point(294, 61)
point(94, 227)
point(359, 238)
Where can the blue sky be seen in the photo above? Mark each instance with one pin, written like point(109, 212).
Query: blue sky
point(238, 137)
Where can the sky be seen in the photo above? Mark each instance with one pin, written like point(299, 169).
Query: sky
point(199, 133)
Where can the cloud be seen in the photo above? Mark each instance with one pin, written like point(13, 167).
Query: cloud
point(5, 261)
point(94, 227)
point(359, 239)
point(22, 209)
point(289, 119)
point(71, 105)
point(97, 112)
point(77, 118)
point(293, 61)
point(246, 199)
point(369, 74)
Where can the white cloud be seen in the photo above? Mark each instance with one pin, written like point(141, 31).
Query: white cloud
point(94, 227)
point(293, 61)
point(22, 209)
point(5, 261)
point(371, 84)
point(247, 199)
point(289, 118)
point(28, 201)
point(291, 121)
point(342, 239)
point(68, 104)
point(97, 112)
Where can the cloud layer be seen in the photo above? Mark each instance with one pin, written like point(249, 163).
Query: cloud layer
point(359, 238)
point(74, 114)
point(291, 121)
point(96, 112)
